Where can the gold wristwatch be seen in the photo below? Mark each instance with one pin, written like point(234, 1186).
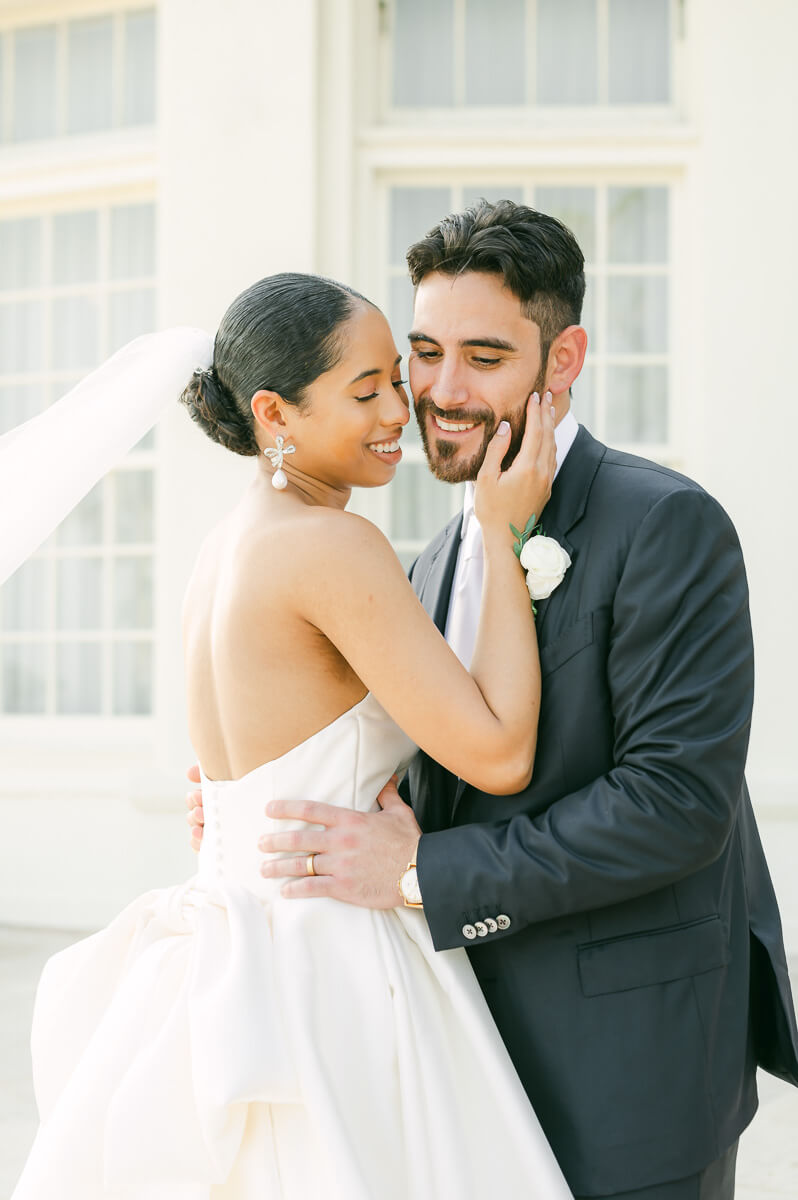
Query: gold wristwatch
point(409, 888)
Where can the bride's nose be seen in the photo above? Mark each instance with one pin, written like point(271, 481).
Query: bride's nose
point(395, 410)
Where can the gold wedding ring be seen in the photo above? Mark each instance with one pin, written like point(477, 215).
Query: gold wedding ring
point(309, 867)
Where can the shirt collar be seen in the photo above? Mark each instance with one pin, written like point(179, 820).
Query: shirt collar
point(564, 437)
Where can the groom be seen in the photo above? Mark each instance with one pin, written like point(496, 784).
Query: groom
point(618, 913)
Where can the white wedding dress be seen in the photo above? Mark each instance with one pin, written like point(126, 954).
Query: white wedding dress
point(220, 1042)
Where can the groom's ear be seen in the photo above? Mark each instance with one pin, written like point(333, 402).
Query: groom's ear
point(267, 409)
point(566, 356)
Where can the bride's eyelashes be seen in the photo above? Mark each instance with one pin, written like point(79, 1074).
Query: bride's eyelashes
point(397, 383)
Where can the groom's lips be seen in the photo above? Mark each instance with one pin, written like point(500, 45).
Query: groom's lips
point(455, 429)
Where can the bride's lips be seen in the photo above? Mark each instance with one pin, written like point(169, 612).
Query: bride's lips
point(389, 452)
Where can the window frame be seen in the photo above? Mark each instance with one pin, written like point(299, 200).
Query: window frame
point(54, 15)
point(100, 169)
point(465, 116)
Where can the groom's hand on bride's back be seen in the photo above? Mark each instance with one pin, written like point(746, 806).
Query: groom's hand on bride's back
point(195, 815)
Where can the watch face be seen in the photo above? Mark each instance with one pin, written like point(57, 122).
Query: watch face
point(410, 889)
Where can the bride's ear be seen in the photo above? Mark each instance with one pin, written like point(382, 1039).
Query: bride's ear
point(267, 409)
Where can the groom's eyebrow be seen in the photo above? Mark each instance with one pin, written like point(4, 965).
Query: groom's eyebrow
point(372, 371)
point(493, 343)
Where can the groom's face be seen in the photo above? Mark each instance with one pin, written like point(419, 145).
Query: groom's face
point(474, 360)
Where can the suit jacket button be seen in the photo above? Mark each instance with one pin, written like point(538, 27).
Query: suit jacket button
point(491, 924)
point(503, 921)
point(482, 930)
point(469, 931)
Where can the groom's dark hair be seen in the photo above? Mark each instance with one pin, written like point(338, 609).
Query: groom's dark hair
point(536, 255)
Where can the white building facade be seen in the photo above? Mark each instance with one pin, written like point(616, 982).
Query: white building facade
point(155, 158)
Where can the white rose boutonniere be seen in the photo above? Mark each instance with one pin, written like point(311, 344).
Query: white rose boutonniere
point(543, 559)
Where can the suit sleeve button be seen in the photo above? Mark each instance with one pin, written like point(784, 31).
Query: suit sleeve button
point(503, 921)
point(482, 930)
point(470, 932)
point(491, 924)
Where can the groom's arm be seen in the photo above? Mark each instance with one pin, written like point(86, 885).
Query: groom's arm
point(680, 675)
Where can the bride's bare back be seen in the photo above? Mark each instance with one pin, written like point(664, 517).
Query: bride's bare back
point(260, 678)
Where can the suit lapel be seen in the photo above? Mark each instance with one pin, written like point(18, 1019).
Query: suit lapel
point(569, 497)
point(435, 588)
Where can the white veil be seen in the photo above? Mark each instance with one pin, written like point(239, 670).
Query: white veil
point(51, 462)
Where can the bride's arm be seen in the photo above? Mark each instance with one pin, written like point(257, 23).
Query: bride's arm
point(481, 726)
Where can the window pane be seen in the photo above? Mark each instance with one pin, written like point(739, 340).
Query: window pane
point(637, 319)
point(20, 254)
point(134, 506)
point(576, 208)
point(639, 49)
point(492, 194)
point(420, 503)
point(84, 526)
point(19, 402)
point(638, 224)
point(34, 83)
point(132, 241)
point(24, 672)
point(75, 247)
point(22, 336)
point(423, 53)
point(23, 598)
point(133, 607)
point(131, 313)
point(400, 312)
point(90, 75)
point(584, 391)
point(494, 52)
point(140, 74)
point(132, 678)
point(637, 404)
point(79, 593)
point(566, 52)
point(588, 319)
point(76, 333)
point(414, 211)
point(79, 678)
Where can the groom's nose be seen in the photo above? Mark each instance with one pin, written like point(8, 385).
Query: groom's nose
point(449, 388)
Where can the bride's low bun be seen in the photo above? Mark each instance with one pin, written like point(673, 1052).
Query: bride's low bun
point(214, 409)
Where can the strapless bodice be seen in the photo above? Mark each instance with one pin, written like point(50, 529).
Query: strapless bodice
point(345, 764)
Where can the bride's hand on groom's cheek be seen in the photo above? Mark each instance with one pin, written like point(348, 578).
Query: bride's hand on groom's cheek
point(195, 815)
point(357, 857)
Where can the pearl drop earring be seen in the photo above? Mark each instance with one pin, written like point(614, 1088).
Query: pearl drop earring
point(275, 457)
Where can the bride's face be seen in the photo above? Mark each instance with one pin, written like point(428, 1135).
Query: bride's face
point(348, 435)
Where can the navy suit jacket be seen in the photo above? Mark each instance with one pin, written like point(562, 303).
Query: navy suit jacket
point(638, 973)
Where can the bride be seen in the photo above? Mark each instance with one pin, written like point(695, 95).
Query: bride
point(216, 1041)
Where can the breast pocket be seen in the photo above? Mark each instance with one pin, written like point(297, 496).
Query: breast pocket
point(568, 643)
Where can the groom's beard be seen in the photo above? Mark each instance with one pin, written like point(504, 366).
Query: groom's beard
point(442, 452)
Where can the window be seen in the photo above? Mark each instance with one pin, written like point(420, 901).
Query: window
point(622, 394)
point(76, 621)
point(77, 77)
point(542, 53)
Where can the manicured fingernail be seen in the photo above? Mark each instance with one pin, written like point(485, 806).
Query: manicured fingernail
point(536, 397)
point(504, 428)
point(547, 397)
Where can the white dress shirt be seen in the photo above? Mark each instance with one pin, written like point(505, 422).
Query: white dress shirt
point(462, 621)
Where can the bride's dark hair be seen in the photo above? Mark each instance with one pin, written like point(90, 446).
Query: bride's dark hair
point(280, 335)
